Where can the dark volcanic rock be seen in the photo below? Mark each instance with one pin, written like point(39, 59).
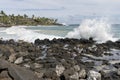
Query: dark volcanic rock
point(58, 59)
point(51, 74)
point(111, 76)
point(117, 65)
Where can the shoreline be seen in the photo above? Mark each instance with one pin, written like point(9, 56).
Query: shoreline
point(60, 59)
point(7, 26)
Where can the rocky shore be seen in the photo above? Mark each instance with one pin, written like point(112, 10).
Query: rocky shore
point(59, 59)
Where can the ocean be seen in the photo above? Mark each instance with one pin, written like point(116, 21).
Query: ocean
point(100, 30)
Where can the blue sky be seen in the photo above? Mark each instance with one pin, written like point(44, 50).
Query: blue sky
point(65, 10)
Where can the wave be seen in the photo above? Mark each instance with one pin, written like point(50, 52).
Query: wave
point(20, 33)
point(98, 29)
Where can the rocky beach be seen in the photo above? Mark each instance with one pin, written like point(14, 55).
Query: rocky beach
point(59, 59)
point(60, 40)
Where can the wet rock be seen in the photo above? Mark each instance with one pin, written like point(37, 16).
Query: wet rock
point(111, 76)
point(85, 41)
point(117, 65)
point(11, 41)
point(106, 70)
point(118, 71)
point(64, 59)
point(1, 41)
point(93, 75)
point(110, 43)
point(37, 41)
point(19, 60)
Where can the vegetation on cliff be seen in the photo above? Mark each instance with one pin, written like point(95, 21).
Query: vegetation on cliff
point(12, 20)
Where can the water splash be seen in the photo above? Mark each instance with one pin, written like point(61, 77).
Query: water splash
point(20, 33)
point(99, 29)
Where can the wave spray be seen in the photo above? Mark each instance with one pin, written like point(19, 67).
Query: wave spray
point(98, 29)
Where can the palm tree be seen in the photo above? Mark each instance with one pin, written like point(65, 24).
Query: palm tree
point(2, 12)
point(25, 16)
point(33, 16)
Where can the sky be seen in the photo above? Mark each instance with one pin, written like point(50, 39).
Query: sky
point(69, 11)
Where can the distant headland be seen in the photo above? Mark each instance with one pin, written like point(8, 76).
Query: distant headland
point(13, 20)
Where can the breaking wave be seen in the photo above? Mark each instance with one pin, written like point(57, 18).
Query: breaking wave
point(99, 30)
point(20, 33)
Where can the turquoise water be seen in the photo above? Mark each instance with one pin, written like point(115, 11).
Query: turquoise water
point(53, 30)
point(115, 29)
point(63, 30)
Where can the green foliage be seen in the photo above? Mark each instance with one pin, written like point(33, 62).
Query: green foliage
point(12, 20)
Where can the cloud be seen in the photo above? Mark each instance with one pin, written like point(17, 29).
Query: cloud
point(62, 8)
point(17, 0)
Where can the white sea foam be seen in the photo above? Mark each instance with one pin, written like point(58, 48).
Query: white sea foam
point(20, 33)
point(100, 30)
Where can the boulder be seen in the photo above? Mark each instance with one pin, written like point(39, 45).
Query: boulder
point(16, 72)
point(4, 76)
point(19, 60)
point(37, 42)
point(75, 76)
point(3, 64)
point(82, 73)
point(77, 68)
point(59, 69)
point(51, 74)
point(19, 73)
point(118, 71)
point(12, 58)
point(69, 72)
point(93, 75)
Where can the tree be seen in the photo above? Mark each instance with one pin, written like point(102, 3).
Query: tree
point(55, 21)
point(2, 12)
point(33, 16)
point(25, 16)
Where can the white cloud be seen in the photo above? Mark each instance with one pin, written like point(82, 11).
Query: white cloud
point(62, 8)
